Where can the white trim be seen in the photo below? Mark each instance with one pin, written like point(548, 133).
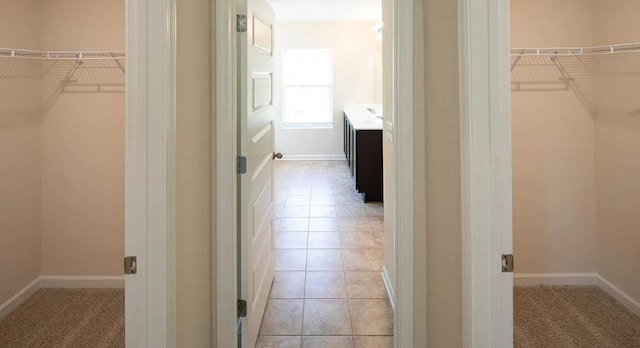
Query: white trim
point(633, 305)
point(136, 316)
point(533, 279)
point(485, 172)
point(403, 99)
point(314, 158)
point(73, 282)
point(59, 282)
point(160, 156)
point(501, 170)
point(579, 279)
point(388, 286)
point(149, 173)
point(475, 174)
point(226, 183)
point(226, 178)
point(17, 299)
point(465, 90)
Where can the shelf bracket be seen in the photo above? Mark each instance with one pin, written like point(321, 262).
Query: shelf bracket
point(515, 62)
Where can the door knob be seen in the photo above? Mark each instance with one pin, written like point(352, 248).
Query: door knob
point(277, 155)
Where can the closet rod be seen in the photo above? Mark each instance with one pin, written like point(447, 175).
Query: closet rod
point(60, 55)
point(577, 51)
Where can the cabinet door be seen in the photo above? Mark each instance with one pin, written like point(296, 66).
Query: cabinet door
point(345, 138)
point(352, 149)
point(368, 164)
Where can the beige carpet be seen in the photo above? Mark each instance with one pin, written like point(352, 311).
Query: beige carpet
point(576, 316)
point(66, 318)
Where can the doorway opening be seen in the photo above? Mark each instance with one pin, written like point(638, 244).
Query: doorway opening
point(255, 75)
point(575, 135)
point(62, 116)
point(328, 233)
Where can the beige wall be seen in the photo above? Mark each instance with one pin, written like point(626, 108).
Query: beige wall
point(82, 145)
point(353, 45)
point(378, 70)
point(618, 147)
point(442, 176)
point(20, 149)
point(194, 309)
point(553, 147)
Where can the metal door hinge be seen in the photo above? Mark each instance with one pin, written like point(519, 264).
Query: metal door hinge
point(241, 23)
point(241, 166)
point(507, 263)
point(242, 308)
point(130, 265)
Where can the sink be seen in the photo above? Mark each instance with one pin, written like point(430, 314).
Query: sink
point(365, 116)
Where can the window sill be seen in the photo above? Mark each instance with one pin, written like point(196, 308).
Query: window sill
point(307, 126)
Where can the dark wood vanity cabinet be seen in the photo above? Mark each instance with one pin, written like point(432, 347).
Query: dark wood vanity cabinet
point(363, 148)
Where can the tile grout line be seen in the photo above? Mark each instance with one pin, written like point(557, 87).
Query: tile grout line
point(344, 274)
point(361, 213)
point(304, 289)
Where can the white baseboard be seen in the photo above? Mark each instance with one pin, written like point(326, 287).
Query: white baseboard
point(19, 297)
point(82, 282)
point(595, 279)
point(60, 282)
point(629, 302)
point(389, 287)
point(532, 279)
point(314, 158)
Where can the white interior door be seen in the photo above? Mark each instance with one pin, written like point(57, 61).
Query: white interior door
point(257, 145)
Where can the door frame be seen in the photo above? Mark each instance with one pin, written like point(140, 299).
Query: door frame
point(485, 103)
point(150, 166)
point(226, 180)
point(150, 173)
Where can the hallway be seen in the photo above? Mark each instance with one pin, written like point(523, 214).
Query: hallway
point(328, 289)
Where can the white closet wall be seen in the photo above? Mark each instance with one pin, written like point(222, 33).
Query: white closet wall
point(83, 147)
point(576, 151)
point(61, 149)
point(20, 151)
point(618, 148)
point(554, 195)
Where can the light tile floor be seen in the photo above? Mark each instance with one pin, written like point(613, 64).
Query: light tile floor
point(328, 290)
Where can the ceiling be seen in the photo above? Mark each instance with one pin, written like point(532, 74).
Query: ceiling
point(326, 10)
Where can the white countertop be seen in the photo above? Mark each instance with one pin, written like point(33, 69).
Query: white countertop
point(363, 119)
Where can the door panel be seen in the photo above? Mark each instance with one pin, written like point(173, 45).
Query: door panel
point(262, 90)
point(257, 144)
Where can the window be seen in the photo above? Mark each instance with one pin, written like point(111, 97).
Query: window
point(308, 90)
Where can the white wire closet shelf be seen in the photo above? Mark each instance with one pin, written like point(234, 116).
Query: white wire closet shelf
point(65, 71)
point(60, 55)
point(577, 51)
point(17, 62)
point(575, 69)
point(586, 53)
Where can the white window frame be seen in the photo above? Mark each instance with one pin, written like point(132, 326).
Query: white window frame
point(308, 125)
